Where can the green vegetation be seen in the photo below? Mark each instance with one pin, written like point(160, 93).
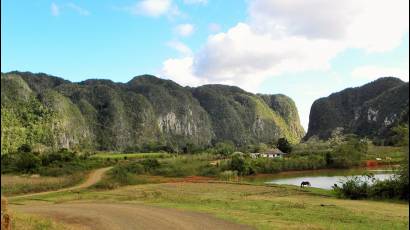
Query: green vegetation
point(14, 185)
point(284, 145)
point(59, 163)
point(371, 110)
point(30, 222)
point(370, 188)
point(105, 155)
point(263, 207)
point(147, 114)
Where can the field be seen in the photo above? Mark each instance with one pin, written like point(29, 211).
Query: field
point(32, 222)
point(388, 154)
point(13, 184)
point(108, 155)
point(262, 207)
point(184, 190)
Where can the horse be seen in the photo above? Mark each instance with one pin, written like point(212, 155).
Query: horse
point(307, 183)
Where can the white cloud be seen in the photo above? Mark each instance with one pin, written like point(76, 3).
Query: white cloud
point(180, 70)
point(78, 9)
point(180, 47)
point(373, 72)
point(185, 30)
point(293, 36)
point(190, 2)
point(152, 8)
point(55, 10)
point(311, 19)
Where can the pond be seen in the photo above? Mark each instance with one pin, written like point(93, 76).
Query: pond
point(324, 179)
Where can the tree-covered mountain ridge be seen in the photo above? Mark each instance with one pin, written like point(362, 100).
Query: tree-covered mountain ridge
point(49, 112)
point(371, 110)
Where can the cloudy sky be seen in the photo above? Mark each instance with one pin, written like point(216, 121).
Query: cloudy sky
point(304, 49)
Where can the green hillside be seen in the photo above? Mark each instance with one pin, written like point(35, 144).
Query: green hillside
point(48, 112)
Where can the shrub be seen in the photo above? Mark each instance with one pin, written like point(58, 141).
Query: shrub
point(208, 170)
point(399, 136)
point(229, 175)
point(224, 148)
point(27, 162)
point(353, 188)
point(150, 164)
point(121, 175)
point(358, 188)
point(241, 165)
point(24, 148)
point(347, 154)
point(284, 145)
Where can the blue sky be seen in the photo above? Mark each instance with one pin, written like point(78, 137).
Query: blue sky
point(304, 49)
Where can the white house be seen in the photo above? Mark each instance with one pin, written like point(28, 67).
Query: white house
point(270, 153)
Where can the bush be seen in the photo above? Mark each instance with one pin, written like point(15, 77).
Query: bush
point(284, 145)
point(399, 136)
point(347, 154)
point(224, 148)
point(27, 162)
point(241, 165)
point(150, 164)
point(24, 148)
point(358, 188)
point(122, 176)
point(229, 175)
point(208, 170)
point(353, 188)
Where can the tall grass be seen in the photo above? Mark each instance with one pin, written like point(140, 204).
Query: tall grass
point(13, 185)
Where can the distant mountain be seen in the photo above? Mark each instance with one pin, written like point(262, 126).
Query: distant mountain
point(370, 110)
point(49, 112)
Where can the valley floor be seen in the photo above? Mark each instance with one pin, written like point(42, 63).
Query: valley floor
point(187, 205)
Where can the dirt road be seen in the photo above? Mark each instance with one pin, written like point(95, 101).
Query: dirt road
point(127, 216)
point(94, 177)
point(90, 216)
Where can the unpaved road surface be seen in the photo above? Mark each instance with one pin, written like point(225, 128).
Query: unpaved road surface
point(98, 216)
point(127, 216)
point(94, 177)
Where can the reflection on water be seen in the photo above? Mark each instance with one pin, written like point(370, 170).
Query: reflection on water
point(324, 182)
point(323, 178)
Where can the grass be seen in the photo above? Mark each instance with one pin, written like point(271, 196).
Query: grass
point(385, 152)
point(26, 222)
point(30, 222)
point(261, 206)
point(13, 185)
point(108, 155)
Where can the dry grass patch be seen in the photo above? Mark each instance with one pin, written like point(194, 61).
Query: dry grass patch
point(14, 185)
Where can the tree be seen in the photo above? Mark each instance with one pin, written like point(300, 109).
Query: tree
point(337, 137)
point(150, 164)
point(27, 162)
point(400, 135)
point(238, 164)
point(224, 148)
point(284, 145)
point(24, 148)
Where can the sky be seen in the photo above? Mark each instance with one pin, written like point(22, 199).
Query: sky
point(303, 49)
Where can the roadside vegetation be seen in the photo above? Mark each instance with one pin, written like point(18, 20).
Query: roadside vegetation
point(59, 163)
point(260, 206)
point(109, 155)
point(14, 185)
point(395, 188)
point(224, 161)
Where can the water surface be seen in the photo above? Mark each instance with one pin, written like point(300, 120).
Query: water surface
point(324, 179)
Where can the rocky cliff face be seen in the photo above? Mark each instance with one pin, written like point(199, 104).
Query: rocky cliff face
point(100, 114)
point(370, 110)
